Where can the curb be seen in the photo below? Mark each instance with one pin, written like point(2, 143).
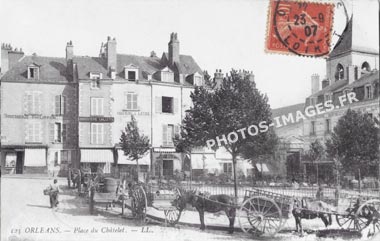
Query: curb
point(21, 176)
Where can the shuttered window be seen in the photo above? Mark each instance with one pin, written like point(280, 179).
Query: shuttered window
point(97, 133)
point(59, 104)
point(168, 134)
point(33, 102)
point(131, 101)
point(97, 106)
point(33, 133)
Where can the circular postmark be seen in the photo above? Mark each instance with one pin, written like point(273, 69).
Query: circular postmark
point(304, 28)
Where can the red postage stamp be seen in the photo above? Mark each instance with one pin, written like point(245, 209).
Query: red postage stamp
point(299, 27)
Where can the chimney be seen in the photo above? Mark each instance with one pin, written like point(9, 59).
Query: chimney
point(352, 73)
point(111, 54)
point(314, 83)
point(9, 57)
point(218, 78)
point(153, 54)
point(325, 83)
point(69, 51)
point(173, 49)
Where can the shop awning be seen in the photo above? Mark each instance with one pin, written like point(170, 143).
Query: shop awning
point(265, 168)
point(35, 157)
point(122, 159)
point(164, 150)
point(209, 161)
point(96, 155)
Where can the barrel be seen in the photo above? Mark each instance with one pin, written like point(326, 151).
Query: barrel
point(110, 185)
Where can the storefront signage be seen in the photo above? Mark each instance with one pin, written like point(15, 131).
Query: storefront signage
point(29, 116)
point(96, 119)
point(136, 113)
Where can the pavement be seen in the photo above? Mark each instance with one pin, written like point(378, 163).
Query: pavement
point(26, 215)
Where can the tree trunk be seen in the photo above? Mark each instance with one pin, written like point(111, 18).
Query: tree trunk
point(360, 182)
point(235, 179)
point(317, 174)
point(137, 169)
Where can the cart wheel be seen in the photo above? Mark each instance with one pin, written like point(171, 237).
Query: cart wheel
point(172, 216)
point(368, 215)
point(260, 216)
point(139, 202)
point(346, 221)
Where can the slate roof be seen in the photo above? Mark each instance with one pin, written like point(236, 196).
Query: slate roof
point(369, 78)
point(331, 88)
point(146, 65)
point(52, 69)
point(288, 109)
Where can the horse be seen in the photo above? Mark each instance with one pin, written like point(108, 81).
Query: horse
point(211, 204)
point(303, 210)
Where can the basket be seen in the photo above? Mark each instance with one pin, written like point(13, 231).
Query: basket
point(46, 191)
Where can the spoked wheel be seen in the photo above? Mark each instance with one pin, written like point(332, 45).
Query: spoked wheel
point(172, 216)
point(139, 203)
point(346, 221)
point(260, 216)
point(368, 215)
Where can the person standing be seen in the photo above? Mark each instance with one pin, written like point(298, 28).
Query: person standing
point(53, 195)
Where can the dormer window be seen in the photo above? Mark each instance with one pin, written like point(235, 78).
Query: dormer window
point(95, 80)
point(94, 75)
point(131, 72)
point(167, 75)
point(197, 79)
point(368, 92)
point(33, 72)
point(339, 73)
point(313, 100)
point(327, 97)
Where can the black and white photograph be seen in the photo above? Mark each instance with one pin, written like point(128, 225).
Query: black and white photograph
point(183, 120)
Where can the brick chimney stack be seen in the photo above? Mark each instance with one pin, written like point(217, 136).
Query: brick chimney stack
point(69, 51)
point(218, 78)
point(111, 54)
point(314, 83)
point(325, 83)
point(9, 57)
point(173, 49)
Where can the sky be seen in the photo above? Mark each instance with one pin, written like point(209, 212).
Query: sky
point(219, 34)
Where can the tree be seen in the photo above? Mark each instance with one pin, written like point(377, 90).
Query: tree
point(355, 143)
point(232, 108)
point(134, 144)
point(315, 154)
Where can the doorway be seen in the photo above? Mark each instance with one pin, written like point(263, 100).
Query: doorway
point(167, 168)
point(19, 162)
point(293, 166)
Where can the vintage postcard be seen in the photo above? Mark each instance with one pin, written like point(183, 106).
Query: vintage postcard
point(190, 120)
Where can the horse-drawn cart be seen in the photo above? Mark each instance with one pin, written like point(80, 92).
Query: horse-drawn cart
point(158, 197)
point(265, 212)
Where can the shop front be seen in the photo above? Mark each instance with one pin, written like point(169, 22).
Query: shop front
point(167, 163)
point(24, 159)
point(97, 160)
point(127, 168)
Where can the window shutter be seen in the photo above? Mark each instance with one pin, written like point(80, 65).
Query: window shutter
point(29, 103)
point(165, 135)
point(26, 103)
point(101, 133)
point(57, 101)
point(158, 104)
point(101, 106)
point(134, 96)
point(92, 133)
point(64, 132)
point(38, 103)
point(175, 105)
point(176, 130)
point(63, 104)
point(40, 132)
point(27, 136)
point(125, 100)
point(129, 101)
point(51, 132)
point(92, 107)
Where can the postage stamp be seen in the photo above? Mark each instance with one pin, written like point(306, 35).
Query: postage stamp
point(301, 28)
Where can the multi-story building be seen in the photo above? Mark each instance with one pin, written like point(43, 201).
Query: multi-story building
point(351, 67)
point(38, 113)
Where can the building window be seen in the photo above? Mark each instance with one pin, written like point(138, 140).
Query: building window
point(339, 74)
point(197, 80)
point(131, 101)
point(97, 106)
point(368, 92)
point(366, 67)
point(312, 127)
point(58, 132)
point(167, 76)
point(97, 133)
point(65, 156)
point(60, 102)
point(34, 133)
point(131, 75)
point(33, 73)
point(32, 102)
point(168, 134)
point(167, 104)
point(227, 168)
point(95, 84)
point(327, 97)
point(313, 100)
point(96, 76)
point(328, 125)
